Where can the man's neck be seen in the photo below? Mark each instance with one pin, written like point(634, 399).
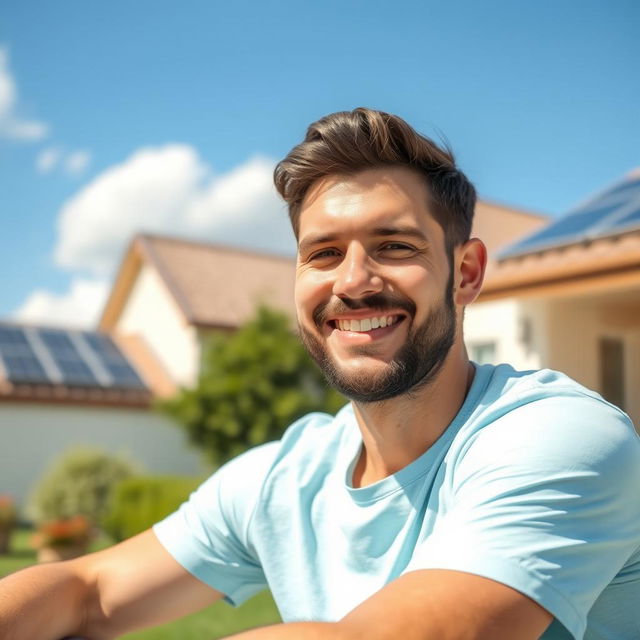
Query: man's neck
point(397, 431)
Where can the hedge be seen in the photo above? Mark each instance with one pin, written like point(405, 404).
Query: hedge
point(140, 502)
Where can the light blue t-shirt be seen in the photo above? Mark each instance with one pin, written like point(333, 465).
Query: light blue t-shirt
point(535, 484)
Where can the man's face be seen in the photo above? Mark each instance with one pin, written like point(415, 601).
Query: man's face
point(374, 283)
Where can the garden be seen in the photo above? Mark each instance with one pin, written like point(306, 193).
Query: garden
point(89, 500)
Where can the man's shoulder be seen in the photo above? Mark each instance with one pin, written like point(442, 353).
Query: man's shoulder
point(507, 388)
point(545, 416)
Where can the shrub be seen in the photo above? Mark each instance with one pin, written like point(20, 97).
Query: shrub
point(79, 483)
point(253, 384)
point(140, 502)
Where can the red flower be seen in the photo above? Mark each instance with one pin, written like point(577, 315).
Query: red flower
point(63, 532)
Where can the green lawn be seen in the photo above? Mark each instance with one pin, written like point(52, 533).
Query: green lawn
point(214, 622)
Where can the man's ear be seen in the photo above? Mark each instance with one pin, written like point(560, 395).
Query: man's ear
point(470, 261)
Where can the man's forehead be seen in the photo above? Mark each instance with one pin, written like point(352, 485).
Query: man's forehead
point(398, 180)
point(384, 198)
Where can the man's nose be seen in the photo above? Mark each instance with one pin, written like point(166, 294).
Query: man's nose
point(357, 276)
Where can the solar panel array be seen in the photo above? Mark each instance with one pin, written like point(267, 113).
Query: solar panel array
point(33, 355)
point(616, 210)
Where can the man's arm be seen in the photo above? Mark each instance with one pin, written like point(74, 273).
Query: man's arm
point(100, 596)
point(428, 604)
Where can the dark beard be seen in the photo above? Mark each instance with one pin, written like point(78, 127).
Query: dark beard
point(415, 365)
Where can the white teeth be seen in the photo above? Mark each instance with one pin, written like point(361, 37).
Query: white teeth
point(366, 324)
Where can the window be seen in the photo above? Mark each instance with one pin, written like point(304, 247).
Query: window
point(612, 370)
point(483, 352)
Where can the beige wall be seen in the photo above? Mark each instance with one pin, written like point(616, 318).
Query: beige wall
point(33, 435)
point(151, 312)
point(575, 329)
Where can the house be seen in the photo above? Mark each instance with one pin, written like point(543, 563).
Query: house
point(175, 292)
point(61, 388)
point(567, 297)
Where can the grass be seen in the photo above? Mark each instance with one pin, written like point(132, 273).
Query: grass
point(214, 622)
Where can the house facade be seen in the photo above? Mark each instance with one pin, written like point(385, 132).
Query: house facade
point(567, 297)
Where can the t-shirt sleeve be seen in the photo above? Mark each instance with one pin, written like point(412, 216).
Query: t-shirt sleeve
point(209, 535)
point(544, 500)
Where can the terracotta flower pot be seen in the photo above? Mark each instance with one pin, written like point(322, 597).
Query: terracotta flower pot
point(61, 552)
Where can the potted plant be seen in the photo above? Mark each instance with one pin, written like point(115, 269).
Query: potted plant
point(69, 502)
point(62, 539)
point(7, 521)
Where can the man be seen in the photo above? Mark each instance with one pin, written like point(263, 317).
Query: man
point(447, 500)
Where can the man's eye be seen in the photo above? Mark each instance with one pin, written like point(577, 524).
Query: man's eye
point(397, 247)
point(323, 253)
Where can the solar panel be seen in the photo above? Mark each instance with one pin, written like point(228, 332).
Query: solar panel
point(123, 375)
point(610, 212)
point(630, 188)
point(10, 336)
point(632, 218)
point(57, 340)
point(75, 359)
point(20, 361)
point(567, 229)
point(104, 346)
point(24, 369)
point(67, 359)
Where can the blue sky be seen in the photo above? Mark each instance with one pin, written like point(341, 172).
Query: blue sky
point(165, 116)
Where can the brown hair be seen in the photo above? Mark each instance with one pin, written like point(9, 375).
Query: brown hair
point(347, 142)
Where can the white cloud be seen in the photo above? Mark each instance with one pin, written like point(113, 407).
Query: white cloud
point(170, 190)
point(11, 124)
point(79, 307)
point(47, 159)
point(77, 162)
point(74, 163)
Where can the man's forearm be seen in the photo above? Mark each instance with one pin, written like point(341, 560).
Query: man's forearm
point(44, 602)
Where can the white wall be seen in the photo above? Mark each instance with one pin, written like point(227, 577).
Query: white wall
point(517, 328)
point(151, 312)
point(32, 435)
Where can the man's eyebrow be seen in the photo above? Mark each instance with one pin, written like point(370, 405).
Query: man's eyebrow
point(399, 231)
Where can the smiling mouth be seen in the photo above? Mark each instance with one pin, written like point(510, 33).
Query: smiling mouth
point(362, 325)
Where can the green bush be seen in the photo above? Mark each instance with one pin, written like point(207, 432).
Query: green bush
point(80, 482)
point(138, 503)
point(253, 384)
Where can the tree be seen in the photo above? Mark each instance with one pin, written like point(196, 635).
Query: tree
point(252, 385)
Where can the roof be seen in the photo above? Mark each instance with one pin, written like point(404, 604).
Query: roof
point(610, 213)
point(213, 285)
point(59, 365)
point(595, 246)
point(498, 226)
